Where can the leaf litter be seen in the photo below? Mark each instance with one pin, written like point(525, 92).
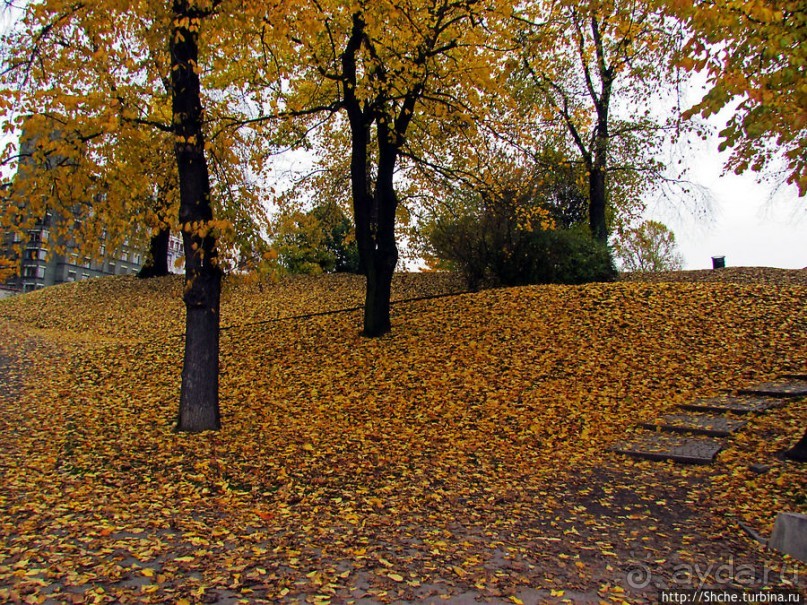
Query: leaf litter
point(464, 455)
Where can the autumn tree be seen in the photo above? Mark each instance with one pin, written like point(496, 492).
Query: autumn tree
point(648, 248)
point(110, 92)
point(387, 68)
point(591, 69)
point(754, 56)
point(319, 240)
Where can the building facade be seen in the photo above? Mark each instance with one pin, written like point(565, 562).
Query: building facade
point(39, 267)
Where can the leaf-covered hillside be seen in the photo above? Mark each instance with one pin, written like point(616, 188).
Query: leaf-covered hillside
point(465, 453)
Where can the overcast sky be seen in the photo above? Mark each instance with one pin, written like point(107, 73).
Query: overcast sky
point(751, 224)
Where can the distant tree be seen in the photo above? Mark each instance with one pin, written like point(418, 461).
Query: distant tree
point(596, 70)
point(648, 248)
point(318, 241)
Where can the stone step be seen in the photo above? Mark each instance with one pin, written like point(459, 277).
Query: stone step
point(790, 535)
point(739, 404)
point(715, 426)
point(787, 388)
point(666, 446)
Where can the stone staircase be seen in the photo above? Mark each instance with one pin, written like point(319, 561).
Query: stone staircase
point(695, 436)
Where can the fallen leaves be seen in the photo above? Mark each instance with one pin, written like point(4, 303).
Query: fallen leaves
point(461, 452)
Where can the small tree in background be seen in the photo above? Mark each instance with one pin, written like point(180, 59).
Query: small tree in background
point(319, 241)
point(648, 248)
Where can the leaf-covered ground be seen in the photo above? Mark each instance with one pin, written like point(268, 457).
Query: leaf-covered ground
point(465, 456)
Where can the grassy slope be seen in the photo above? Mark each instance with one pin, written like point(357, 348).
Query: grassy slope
point(491, 397)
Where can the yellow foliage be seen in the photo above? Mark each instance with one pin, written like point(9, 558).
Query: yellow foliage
point(452, 448)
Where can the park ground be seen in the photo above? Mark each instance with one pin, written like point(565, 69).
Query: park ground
point(464, 458)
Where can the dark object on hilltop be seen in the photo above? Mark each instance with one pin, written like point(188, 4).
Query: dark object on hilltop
point(156, 264)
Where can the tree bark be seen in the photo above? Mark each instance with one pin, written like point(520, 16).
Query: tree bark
point(156, 264)
point(199, 396)
point(375, 224)
point(798, 452)
point(383, 252)
point(597, 204)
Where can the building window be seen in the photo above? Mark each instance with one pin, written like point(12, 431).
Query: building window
point(71, 276)
point(40, 272)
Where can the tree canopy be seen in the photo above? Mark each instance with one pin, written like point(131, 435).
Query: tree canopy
point(755, 59)
point(141, 115)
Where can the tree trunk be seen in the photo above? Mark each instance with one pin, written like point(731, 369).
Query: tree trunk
point(199, 396)
point(798, 452)
point(383, 255)
point(156, 264)
point(379, 272)
point(597, 204)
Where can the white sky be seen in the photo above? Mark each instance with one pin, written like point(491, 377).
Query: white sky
point(748, 225)
point(752, 224)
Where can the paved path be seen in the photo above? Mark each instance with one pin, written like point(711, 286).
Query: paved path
point(670, 437)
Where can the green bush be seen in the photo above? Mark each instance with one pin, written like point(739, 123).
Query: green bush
point(318, 241)
point(491, 250)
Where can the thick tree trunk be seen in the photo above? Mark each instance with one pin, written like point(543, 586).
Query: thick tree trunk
point(597, 204)
point(156, 264)
point(798, 452)
point(199, 396)
point(383, 254)
point(379, 272)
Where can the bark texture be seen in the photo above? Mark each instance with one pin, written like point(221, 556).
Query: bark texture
point(199, 397)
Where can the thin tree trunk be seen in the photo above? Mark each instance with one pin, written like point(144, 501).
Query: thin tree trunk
point(597, 204)
point(798, 452)
point(199, 396)
point(156, 264)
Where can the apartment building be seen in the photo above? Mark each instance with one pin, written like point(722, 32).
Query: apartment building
point(38, 267)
